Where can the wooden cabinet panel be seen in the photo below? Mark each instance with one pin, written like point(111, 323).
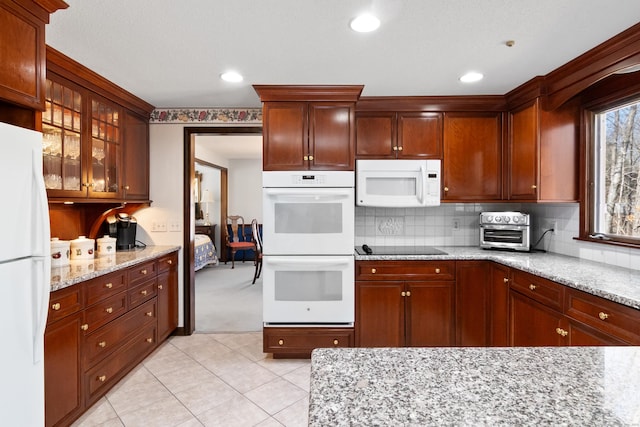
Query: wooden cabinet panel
point(582, 335)
point(406, 270)
point(285, 135)
point(376, 135)
point(534, 324)
point(380, 314)
point(141, 272)
point(142, 292)
point(103, 287)
point(62, 370)
point(419, 135)
point(135, 159)
point(64, 302)
point(499, 306)
point(105, 311)
point(473, 291)
point(523, 153)
point(331, 136)
point(167, 303)
point(472, 168)
point(299, 342)
point(545, 291)
point(429, 314)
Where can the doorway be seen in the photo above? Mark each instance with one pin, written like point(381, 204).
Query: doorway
point(189, 141)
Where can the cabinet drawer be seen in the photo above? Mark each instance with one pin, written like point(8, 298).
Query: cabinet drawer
point(105, 286)
point(607, 316)
point(542, 290)
point(142, 292)
point(105, 311)
point(304, 340)
point(168, 262)
point(64, 302)
point(112, 336)
point(141, 272)
point(405, 270)
point(101, 377)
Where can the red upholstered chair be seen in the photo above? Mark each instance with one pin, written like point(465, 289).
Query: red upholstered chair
point(236, 240)
point(258, 251)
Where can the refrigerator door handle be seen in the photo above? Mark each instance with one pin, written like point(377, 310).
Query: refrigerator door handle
point(42, 232)
point(41, 273)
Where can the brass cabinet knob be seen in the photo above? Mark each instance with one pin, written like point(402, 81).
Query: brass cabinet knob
point(160, 287)
point(603, 316)
point(102, 378)
point(532, 287)
point(400, 148)
point(144, 271)
point(335, 342)
point(149, 340)
point(505, 280)
point(395, 148)
point(149, 313)
point(403, 294)
point(109, 310)
point(446, 189)
point(170, 262)
point(533, 187)
point(102, 344)
point(310, 157)
point(373, 271)
point(562, 332)
point(108, 285)
point(280, 342)
point(55, 306)
point(84, 327)
point(126, 187)
point(437, 271)
point(143, 292)
point(408, 293)
point(305, 158)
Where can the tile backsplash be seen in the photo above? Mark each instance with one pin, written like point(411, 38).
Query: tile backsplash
point(456, 224)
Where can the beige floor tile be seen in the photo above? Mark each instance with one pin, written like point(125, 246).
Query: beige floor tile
point(276, 395)
point(296, 415)
point(99, 414)
point(193, 422)
point(158, 412)
point(226, 362)
point(270, 422)
point(248, 378)
point(183, 342)
point(206, 395)
point(185, 378)
point(238, 412)
point(300, 377)
point(283, 366)
point(205, 350)
point(235, 341)
point(135, 393)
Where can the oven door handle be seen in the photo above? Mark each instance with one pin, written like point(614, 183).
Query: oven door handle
point(316, 194)
point(296, 261)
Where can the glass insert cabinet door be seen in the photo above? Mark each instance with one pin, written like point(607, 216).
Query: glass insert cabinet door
point(105, 143)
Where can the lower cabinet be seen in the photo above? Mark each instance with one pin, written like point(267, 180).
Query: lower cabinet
point(473, 308)
point(98, 330)
point(534, 324)
point(299, 342)
point(418, 311)
point(499, 306)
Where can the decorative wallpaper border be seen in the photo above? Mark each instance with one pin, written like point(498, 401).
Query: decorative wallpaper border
point(206, 115)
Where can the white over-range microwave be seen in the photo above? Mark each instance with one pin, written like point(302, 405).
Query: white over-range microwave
point(398, 183)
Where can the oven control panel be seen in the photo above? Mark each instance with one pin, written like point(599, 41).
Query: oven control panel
point(507, 218)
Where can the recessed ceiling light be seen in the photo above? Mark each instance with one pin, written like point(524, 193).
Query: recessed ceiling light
point(365, 23)
point(231, 76)
point(471, 77)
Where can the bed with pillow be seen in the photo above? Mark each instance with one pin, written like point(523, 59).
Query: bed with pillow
point(205, 252)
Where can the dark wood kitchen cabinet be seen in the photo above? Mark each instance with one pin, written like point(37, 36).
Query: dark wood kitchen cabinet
point(543, 153)
point(308, 127)
point(167, 295)
point(472, 166)
point(415, 311)
point(299, 342)
point(499, 305)
point(473, 303)
point(398, 135)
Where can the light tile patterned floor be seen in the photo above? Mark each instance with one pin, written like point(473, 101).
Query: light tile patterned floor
point(208, 380)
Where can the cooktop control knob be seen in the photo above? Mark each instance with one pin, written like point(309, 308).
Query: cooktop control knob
point(507, 219)
point(516, 219)
point(498, 219)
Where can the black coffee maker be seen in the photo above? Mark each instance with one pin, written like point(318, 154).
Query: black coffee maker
point(123, 228)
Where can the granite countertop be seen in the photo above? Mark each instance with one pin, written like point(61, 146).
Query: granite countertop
point(617, 284)
point(475, 386)
point(79, 271)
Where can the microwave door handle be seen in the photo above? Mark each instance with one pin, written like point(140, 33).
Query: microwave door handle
point(423, 185)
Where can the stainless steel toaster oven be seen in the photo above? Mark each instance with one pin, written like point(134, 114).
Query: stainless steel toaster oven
point(505, 230)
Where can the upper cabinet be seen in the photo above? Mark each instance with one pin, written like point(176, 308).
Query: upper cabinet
point(308, 127)
point(96, 141)
point(543, 152)
point(22, 48)
point(472, 167)
point(398, 135)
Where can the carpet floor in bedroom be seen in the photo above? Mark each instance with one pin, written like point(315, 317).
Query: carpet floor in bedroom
point(226, 301)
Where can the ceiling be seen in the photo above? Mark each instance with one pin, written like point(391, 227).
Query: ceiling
point(170, 53)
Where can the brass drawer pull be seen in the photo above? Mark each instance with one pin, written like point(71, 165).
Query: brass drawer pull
point(532, 287)
point(562, 332)
point(102, 344)
point(109, 310)
point(149, 313)
point(143, 271)
point(108, 285)
point(84, 327)
point(373, 271)
point(603, 316)
point(102, 378)
point(280, 342)
point(170, 262)
point(336, 342)
point(159, 286)
point(56, 306)
point(143, 292)
point(149, 340)
point(437, 271)
point(533, 187)
point(505, 280)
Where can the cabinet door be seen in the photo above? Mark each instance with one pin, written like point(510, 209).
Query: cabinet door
point(420, 135)
point(380, 316)
point(523, 153)
point(135, 169)
point(167, 303)
point(429, 314)
point(104, 150)
point(285, 136)
point(376, 136)
point(499, 306)
point(582, 335)
point(472, 167)
point(473, 280)
point(533, 324)
point(331, 136)
point(63, 399)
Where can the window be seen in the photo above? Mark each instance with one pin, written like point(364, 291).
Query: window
point(616, 171)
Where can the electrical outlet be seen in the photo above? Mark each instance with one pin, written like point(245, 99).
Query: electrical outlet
point(174, 225)
point(158, 226)
point(455, 223)
point(162, 226)
point(554, 226)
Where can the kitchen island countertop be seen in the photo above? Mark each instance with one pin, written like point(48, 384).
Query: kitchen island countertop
point(81, 270)
point(614, 283)
point(475, 386)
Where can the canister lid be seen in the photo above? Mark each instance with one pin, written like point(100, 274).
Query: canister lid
point(106, 239)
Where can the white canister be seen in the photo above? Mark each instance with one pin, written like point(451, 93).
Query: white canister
point(60, 252)
point(106, 246)
point(82, 248)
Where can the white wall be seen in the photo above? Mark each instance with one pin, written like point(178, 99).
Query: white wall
point(245, 189)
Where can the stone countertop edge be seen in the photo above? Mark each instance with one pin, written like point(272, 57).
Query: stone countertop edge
point(82, 270)
point(617, 284)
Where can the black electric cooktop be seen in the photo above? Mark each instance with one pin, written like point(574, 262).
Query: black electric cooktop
point(398, 250)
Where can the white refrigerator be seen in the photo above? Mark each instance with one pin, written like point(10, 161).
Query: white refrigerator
point(25, 273)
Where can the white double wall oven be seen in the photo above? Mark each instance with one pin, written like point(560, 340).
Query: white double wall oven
point(308, 236)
